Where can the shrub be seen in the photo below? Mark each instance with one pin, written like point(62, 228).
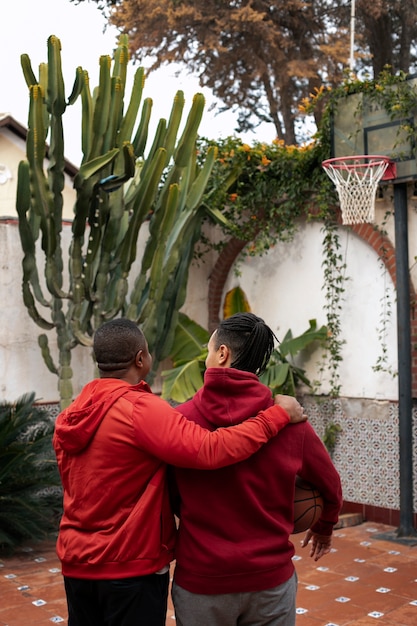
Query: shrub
point(30, 486)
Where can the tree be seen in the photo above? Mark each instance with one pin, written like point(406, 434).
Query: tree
point(258, 57)
point(261, 58)
point(388, 30)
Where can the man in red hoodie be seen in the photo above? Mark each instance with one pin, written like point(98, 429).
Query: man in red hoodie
point(234, 555)
point(117, 533)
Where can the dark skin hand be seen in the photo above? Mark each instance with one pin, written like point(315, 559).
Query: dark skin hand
point(292, 407)
point(320, 544)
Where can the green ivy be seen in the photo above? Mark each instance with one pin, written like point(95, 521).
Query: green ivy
point(334, 268)
point(264, 190)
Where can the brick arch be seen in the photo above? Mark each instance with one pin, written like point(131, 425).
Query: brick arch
point(367, 232)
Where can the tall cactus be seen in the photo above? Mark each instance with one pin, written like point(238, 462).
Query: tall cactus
point(120, 186)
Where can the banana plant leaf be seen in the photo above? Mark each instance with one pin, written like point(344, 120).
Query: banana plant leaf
point(235, 302)
point(293, 345)
point(190, 341)
point(181, 383)
point(188, 354)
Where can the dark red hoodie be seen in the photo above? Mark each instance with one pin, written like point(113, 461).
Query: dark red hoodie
point(236, 521)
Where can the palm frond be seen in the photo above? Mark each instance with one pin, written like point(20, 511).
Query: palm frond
point(30, 487)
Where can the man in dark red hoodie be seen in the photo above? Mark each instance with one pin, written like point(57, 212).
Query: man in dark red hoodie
point(113, 443)
point(234, 555)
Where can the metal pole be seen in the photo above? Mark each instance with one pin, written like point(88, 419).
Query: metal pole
point(352, 37)
point(404, 362)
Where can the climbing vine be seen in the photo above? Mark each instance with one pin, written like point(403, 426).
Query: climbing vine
point(334, 267)
point(264, 190)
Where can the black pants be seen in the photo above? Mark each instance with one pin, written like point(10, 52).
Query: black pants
point(138, 601)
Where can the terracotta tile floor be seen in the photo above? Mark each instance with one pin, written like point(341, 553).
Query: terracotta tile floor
point(367, 580)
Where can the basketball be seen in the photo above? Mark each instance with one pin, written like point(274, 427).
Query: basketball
point(308, 505)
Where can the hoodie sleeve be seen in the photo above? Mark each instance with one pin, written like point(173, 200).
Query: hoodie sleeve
point(318, 469)
point(169, 436)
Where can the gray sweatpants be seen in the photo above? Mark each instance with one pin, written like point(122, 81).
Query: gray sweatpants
point(272, 607)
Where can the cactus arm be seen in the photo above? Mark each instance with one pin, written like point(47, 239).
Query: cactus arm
point(129, 119)
point(145, 199)
point(30, 274)
point(78, 85)
point(118, 83)
point(115, 113)
point(121, 60)
point(185, 146)
point(46, 354)
point(28, 74)
point(198, 186)
point(42, 199)
point(86, 117)
point(158, 142)
point(166, 226)
point(141, 137)
point(118, 299)
point(56, 90)
point(101, 107)
point(27, 232)
point(172, 297)
point(174, 122)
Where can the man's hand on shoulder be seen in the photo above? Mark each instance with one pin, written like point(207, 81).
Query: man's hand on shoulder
point(292, 407)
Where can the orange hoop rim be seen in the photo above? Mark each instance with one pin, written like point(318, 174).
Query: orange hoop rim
point(342, 163)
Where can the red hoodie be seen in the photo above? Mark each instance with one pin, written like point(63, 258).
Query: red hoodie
point(112, 445)
point(236, 521)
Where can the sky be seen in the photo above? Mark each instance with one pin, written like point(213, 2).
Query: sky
point(81, 30)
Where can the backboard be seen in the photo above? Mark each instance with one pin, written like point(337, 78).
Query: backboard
point(362, 126)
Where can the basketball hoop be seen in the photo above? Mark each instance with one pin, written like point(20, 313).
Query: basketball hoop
point(356, 179)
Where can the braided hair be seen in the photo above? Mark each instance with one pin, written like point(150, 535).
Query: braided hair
point(250, 341)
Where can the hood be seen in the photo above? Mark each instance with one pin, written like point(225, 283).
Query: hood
point(230, 396)
point(76, 425)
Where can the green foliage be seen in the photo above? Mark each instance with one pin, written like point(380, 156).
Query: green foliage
point(282, 375)
point(334, 268)
point(331, 435)
point(30, 492)
point(235, 300)
point(263, 191)
point(189, 354)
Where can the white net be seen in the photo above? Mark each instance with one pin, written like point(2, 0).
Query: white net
point(356, 180)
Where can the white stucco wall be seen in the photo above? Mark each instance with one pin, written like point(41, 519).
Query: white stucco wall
point(20, 358)
point(12, 151)
point(285, 287)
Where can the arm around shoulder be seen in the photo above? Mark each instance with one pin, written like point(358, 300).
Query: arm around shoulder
point(171, 437)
